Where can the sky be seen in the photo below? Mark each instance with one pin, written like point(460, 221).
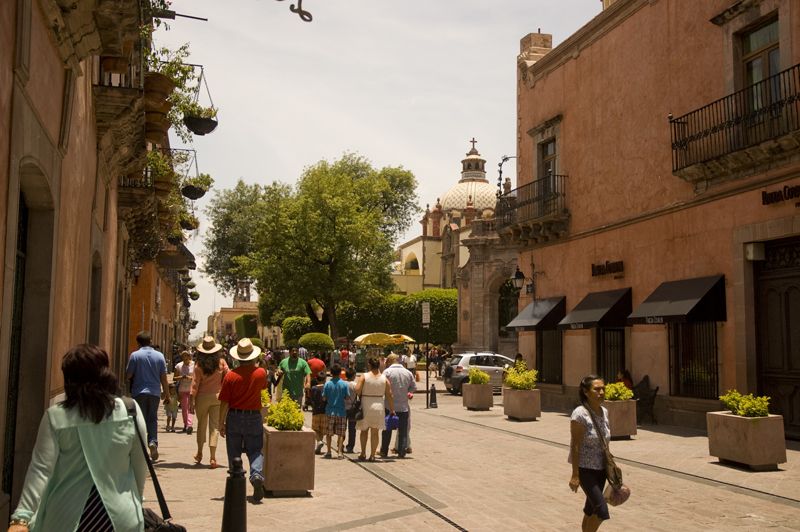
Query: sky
point(402, 83)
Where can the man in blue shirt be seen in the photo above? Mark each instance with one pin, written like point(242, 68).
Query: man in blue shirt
point(334, 392)
point(147, 373)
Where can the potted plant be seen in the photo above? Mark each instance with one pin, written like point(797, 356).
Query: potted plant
point(521, 400)
point(194, 295)
point(746, 433)
point(195, 187)
point(477, 391)
point(190, 285)
point(288, 450)
point(188, 221)
point(621, 408)
point(198, 119)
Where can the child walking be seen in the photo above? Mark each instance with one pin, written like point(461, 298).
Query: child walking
point(171, 408)
point(319, 421)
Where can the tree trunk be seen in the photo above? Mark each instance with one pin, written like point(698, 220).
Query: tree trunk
point(330, 313)
point(319, 325)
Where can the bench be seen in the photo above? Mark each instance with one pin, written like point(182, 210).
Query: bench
point(646, 397)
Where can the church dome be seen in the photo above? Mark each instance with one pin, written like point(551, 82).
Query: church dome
point(473, 186)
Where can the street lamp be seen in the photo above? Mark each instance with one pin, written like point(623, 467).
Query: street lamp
point(503, 160)
point(518, 279)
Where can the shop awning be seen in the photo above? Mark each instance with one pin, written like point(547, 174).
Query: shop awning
point(541, 314)
point(688, 300)
point(600, 309)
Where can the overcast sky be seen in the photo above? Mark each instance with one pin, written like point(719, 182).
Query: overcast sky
point(399, 82)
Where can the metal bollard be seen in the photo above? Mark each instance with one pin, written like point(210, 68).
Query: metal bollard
point(234, 510)
point(433, 397)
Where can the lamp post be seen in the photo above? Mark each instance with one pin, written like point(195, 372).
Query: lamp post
point(518, 279)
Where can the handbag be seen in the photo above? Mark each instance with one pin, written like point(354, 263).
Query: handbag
point(392, 422)
point(152, 521)
point(619, 492)
point(355, 409)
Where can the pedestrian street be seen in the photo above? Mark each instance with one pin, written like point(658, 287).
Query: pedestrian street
point(479, 471)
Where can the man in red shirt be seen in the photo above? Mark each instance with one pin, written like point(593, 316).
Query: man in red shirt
point(240, 420)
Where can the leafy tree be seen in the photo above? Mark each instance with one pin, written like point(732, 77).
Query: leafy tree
point(233, 215)
point(330, 241)
point(316, 341)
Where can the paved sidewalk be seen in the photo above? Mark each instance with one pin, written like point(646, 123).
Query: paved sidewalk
point(479, 471)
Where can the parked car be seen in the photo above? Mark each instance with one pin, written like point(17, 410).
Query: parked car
point(457, 368)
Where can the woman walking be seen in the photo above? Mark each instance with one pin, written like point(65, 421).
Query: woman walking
point(587, 455)
point(373, 388)
point(184, 370)
point(206, 384)
point(88, 469)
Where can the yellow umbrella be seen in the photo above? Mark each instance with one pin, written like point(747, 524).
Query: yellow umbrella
point(404, 338)
point(376, 338)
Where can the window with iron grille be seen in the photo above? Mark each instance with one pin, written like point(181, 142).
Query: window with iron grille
point(610, 352)
point(693, 360)
point(549, 356)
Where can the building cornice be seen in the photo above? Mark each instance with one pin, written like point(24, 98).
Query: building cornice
point(593, 30)
point(734, 11)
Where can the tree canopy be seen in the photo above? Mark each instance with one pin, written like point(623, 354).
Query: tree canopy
point(326, 241)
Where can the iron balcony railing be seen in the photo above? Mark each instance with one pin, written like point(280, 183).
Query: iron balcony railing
point(765, 110)
point(143, 180)
point(537, 200)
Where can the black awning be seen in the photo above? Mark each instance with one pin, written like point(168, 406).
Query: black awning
point(689, 300)
point(600, 309)
point(541, 314)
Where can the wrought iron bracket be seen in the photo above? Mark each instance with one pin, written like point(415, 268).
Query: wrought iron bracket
point(302, 13)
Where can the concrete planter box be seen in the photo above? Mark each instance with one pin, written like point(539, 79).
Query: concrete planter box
point(288, 461)
point(477, 396)
point(758, 442)
point(621, 418)
point(522, 405)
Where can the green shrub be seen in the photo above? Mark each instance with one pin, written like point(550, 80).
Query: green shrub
point(294, 327)
point(265, 399)
point(521, 378)
point(745, 405)
point(617, 391)
point(316, 341)
point(285, 415)
point(256, 341)
point(477, 376)
point(246, 326)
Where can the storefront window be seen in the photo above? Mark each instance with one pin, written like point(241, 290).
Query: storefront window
point(693, 360)
point(549, 356)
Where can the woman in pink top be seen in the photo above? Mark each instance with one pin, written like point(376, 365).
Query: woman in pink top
point(208, 373)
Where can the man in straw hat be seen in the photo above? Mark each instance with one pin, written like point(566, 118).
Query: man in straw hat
point(240, 412)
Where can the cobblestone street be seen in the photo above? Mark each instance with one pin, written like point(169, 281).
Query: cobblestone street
point(479, 471)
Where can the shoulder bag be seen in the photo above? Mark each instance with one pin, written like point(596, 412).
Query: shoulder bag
point(356, 411)
point(616, 493)
point(152, 522)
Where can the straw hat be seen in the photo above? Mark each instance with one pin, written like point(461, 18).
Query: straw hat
point(245, 350)
point(209, 345)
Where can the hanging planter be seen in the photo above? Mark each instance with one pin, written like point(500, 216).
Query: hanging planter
point(196, 187)
point(194, 295)
point(188, 222)
point(200, 125)
point(175, 239)
point(193, 324)
point(192, 192)
point(191, 284)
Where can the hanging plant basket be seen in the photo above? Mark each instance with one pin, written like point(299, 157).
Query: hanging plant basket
point(175, 240)
point(193, 192)
point(189, 224)
point(194, 296)
point(200, 125)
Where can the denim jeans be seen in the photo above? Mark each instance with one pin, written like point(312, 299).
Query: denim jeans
point(244, 432)
point(149, 406)
point(351, 433)
point(402, 436)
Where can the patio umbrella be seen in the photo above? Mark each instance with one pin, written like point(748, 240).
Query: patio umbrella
point(403, 338)
point(376, 338)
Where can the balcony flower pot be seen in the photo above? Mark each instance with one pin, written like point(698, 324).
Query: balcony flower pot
point(621, 410)
point(522, 405)
point(200, 125)
point(288, 450)
point(477, 396)
point(157, 86)
point(757, 442)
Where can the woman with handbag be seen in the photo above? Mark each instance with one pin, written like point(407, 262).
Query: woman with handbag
point(372, 387)
point(589, 432)
point(87, 471)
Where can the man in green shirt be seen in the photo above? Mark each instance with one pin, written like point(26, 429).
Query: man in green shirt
point(296, 376)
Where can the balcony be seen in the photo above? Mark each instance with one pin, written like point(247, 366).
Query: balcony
point(104, 27)
point(534, 213)
point(740, 134)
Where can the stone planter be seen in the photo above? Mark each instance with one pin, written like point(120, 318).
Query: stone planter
point(288, 461)
point(477, 396)
point(758, 442)
point(622, 418)
point(522, 405)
